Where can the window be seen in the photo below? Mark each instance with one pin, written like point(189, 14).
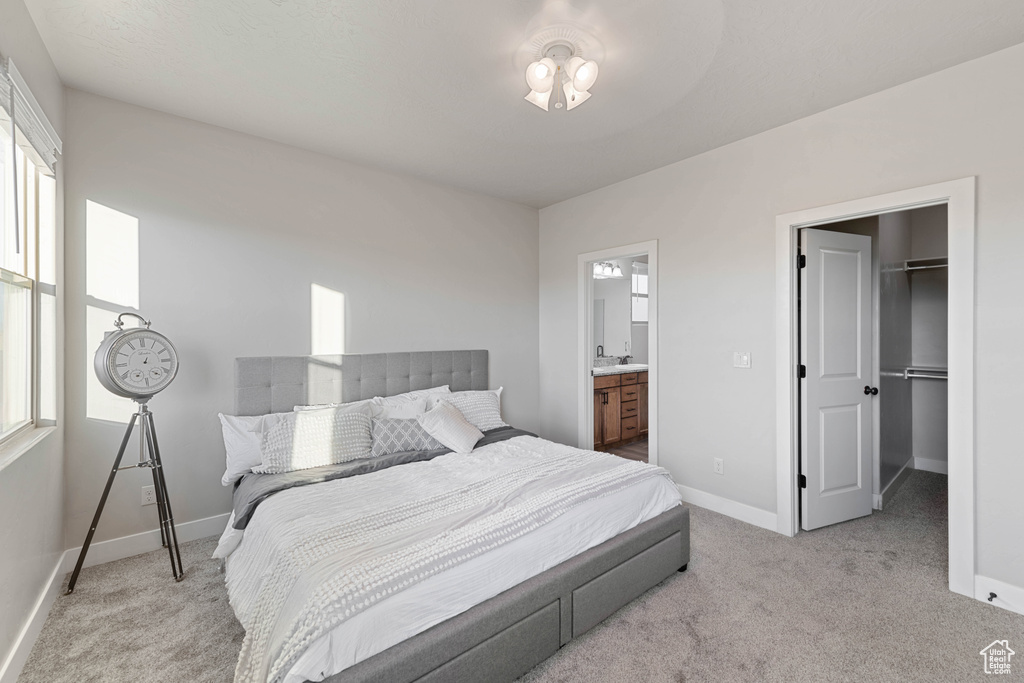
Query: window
point(28, 263)
point(639, 293)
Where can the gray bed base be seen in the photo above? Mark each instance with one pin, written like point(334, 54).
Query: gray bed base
point(503, 637)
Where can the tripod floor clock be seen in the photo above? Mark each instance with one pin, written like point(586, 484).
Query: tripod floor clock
point(137, 363)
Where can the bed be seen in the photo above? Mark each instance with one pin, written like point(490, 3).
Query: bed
point(491, 612)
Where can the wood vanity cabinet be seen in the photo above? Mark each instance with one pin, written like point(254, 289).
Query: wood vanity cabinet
point(620, 409)
point(642, 403)
point(607, 408)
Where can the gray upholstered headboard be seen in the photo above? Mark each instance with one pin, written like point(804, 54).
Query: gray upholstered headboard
point(274, 384)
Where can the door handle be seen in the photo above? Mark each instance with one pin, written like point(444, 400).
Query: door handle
point(870, 391)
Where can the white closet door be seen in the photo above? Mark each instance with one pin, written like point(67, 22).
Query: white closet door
point(835, 348)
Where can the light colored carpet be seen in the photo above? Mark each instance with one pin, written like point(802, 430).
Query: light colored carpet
point(861, 601)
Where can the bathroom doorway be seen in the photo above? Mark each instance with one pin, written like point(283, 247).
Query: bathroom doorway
point(617, 353)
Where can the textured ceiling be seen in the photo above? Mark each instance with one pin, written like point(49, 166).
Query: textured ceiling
point(431, 88)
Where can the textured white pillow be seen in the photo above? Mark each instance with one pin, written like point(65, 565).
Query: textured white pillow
point(482, 409)
point(399, 399)
point(446, 424)
point(241, 445)
point(313, 438)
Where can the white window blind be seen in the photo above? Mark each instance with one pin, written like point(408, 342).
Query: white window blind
point(17, 101)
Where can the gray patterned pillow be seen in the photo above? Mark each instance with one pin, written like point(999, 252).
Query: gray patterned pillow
point(393, 435)
point(314, 438)
point(482, 409)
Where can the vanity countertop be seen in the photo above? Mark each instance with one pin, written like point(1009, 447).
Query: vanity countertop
point(620, 369)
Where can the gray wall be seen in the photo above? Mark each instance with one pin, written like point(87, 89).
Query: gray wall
point(929, 319)
point(714, 218)
point(896, 404)
point(233, 232)
point(31, 487)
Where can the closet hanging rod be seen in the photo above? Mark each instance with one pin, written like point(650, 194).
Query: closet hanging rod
point(926, 263)
point(925, 373)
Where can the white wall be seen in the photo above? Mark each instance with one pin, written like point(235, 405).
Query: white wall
point(31, 487)
point(714, 218)
point(233, 232)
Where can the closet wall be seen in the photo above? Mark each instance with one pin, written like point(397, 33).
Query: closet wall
point(896, 405)
point(929, 318)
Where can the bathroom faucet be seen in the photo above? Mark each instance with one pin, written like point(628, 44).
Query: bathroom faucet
point(623, 359)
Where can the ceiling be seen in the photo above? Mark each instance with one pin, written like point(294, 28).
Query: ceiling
point(432, 87)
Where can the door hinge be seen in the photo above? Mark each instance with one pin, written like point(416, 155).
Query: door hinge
point(801, 371)
point(801, 261)
point(803, 481)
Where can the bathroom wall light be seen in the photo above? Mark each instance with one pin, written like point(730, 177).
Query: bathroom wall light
point(606, 270)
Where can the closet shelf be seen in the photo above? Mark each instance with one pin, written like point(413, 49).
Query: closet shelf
point(925, 263)
point(925, 373)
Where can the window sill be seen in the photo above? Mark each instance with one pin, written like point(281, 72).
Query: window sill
point(21, 444)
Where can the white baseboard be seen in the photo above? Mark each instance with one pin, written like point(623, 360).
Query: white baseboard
point(881, 500)
point(1008, 596)
point(929, 465)
point(741, 511)
point(136, 544)
point(22, 647)
point(99, 553)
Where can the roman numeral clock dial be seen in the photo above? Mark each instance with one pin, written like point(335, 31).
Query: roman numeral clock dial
point(135, 363)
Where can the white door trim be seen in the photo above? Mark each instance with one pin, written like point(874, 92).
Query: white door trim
point(959, 196)
point(585, 336)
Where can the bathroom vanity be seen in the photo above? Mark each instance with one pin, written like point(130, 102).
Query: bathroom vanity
point(620, 405)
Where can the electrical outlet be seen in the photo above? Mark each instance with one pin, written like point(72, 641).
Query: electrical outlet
point(148, 495)
point(719, 466)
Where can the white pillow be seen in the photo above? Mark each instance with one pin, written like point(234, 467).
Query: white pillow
point(446, 424)
point(399, 399)
point(406, 410)
point(314, 438)
point(241, 445)
point(481, 408)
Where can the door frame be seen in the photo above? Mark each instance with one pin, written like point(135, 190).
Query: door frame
point(585, 337)
point(959, 197)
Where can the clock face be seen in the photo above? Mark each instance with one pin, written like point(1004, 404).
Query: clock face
point(142, 362)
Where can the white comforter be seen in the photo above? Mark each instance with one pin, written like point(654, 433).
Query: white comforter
point(277, 593)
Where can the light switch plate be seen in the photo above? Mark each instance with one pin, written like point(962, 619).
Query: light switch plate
point(741, 359)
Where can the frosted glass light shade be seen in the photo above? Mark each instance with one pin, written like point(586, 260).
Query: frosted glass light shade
point(539, 99)
point(540, 75)
point(572, 65)
point(584, 76)
point(573, 97)
point(617, 271)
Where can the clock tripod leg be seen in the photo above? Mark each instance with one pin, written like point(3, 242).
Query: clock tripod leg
point(157, 488)
point(99, 508)
point(172, 535)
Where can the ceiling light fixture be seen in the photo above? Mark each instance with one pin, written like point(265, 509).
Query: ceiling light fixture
point(561, 65)
point(560, 59)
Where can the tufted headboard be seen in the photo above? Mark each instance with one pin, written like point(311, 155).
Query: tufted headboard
point(274, 384)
